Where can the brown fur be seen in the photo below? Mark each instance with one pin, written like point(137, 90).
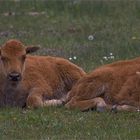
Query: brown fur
point(43, 78)
point(113, 84)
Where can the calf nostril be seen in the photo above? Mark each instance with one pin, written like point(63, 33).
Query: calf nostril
point(14, 76)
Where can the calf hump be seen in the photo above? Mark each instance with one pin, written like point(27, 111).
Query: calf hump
point(69, 72)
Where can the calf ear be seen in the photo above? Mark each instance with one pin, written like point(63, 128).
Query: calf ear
point(32, 49)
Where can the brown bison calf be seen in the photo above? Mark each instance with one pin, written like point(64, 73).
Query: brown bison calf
point(114, 86)
point(34, 81)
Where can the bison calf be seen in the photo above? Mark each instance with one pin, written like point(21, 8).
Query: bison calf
point(114, 86)
point(34, 81)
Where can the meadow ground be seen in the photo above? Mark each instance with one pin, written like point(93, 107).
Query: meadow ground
point(89, 33)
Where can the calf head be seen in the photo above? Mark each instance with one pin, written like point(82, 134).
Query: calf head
point(12, 59)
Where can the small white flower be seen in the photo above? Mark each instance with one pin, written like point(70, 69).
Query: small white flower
point(112, 57)
point(134, 38)
point(70, 58)
point(11, 26)
point(105, 58)
point(74, 57)
point(111, 53)
point(90, 37)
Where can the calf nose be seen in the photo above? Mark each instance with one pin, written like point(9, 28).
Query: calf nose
point(13, 76)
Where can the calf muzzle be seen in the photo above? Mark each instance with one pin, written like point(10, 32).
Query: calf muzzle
point(14, 76)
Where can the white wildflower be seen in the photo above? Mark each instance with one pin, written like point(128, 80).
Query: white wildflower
point(105, 58)
point(74, 57)
point(90, 37)
point(112, 57)
point(111, 53)
point(134, 38)
point(70, 58)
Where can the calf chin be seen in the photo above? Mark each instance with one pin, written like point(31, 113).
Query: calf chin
point(12, 84)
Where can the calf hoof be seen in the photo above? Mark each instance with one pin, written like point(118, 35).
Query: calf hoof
point(67, 106)
point(114, 109)
point(101, 108)
point(34, 102)
point(100, 105)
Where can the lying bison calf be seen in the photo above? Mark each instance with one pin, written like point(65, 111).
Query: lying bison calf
point(114, 86)
point(34, 81)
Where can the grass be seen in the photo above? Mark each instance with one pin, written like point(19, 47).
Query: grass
point(90, 30)
point(59, 123)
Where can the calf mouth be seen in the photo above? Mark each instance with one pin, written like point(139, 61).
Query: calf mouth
point(12, 84)
point(14, 80)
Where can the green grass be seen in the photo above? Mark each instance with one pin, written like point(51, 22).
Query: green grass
point(62, 28)
point(59, 123)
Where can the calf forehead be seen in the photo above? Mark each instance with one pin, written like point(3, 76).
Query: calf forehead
point(13, 48)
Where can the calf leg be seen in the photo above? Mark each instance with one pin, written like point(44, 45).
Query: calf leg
point(35, 98)
point(128, 108)
point(53, 102)
point(98, 103)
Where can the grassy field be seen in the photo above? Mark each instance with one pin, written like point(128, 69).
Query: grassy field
point(88, 32)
